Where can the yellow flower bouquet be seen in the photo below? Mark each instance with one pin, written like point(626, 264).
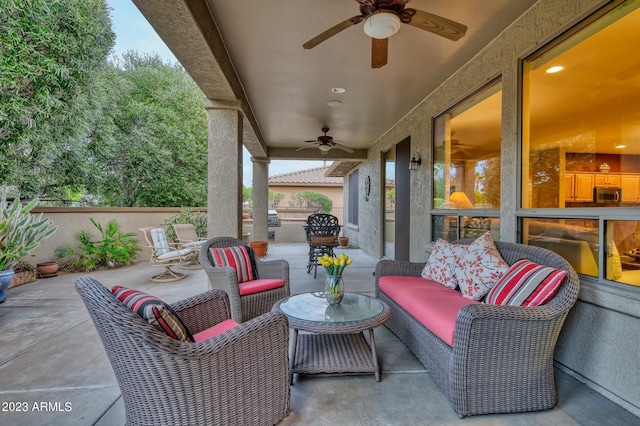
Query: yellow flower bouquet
point(334, 288)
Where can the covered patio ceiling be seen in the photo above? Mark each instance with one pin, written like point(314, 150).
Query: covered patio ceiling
point(252, 51)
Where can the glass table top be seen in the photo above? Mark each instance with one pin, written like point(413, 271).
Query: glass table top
point(314, 307)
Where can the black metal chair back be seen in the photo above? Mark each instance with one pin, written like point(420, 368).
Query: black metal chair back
point(322, 235)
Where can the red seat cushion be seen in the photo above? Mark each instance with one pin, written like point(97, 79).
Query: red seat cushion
point(257, 286)
point(432, 304)
point(214, 331)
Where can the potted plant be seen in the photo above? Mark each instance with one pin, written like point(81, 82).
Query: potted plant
point(20, 232)
point(25, 272)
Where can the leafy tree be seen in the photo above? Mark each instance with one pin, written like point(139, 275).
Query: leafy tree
point(151, 147)
point(274, 199)
point(50, 53)
point(311, 200)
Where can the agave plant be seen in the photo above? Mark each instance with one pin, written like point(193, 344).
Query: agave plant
point(20, 231)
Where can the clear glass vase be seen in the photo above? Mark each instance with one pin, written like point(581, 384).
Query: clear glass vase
point(334, 289)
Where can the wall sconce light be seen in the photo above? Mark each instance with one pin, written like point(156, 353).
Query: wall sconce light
point(415, 161)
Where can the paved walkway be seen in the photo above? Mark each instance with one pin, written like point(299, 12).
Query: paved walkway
point(54, 371)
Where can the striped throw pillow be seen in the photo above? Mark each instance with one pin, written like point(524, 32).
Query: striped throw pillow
point(526, 284)
point(239, 258)
point(156, 312)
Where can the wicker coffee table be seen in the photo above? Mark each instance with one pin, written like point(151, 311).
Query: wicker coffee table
point(337, 343)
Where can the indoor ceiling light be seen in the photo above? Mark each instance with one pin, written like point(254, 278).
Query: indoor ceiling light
point(324, 148)
point(333, 103)
point(554, 69)
point(620, 146)
point(382, 25)
point(338, 90)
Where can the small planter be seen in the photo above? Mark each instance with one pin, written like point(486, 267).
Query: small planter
point(260, 247)
point(47, 269)
point(343, 241)
point(23, 278)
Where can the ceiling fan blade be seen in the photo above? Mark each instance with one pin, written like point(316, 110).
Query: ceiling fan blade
point(333, 31)
point(344, 148)
point(304, 147)
point(379, 49)
point(433, 23)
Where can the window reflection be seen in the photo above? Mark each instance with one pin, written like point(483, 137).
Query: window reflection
point(470, 227)
point(575, 240)
point(581, 124)
point(466, 168)
point(623, 251)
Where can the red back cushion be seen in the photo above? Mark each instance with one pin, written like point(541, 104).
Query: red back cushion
point(239, 258)
point(526, 284)
point(156, 312)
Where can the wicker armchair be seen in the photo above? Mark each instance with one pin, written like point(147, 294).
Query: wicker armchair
point(244, 308)
point(502, 357)
point(240, 377)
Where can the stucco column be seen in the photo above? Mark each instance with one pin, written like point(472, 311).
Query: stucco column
point(260, 199)
point(224, 186)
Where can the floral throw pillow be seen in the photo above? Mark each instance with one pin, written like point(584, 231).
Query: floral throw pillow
point(442, 263)
point(480, 268)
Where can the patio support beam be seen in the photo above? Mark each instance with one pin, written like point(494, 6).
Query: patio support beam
point(224, 187)
point(260, 199)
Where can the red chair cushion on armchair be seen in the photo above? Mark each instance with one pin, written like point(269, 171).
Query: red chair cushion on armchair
point(256, 286)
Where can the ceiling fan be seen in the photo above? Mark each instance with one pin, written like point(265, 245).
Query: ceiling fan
point(325, 143)
point(382, 19)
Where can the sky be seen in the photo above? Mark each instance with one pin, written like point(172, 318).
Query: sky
point(133, 32)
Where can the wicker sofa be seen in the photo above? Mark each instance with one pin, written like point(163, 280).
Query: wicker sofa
point(501, 360)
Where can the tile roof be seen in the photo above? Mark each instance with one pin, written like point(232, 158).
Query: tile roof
point(315, 176)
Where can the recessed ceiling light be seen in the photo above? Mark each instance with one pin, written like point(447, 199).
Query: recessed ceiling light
point(333, 103)
point(554, 69)
point(620, 146)
point(338, 90)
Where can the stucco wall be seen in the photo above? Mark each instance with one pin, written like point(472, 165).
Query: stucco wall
point(73, 219)
point(600, 343)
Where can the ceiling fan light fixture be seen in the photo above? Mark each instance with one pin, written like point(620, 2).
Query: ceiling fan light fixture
point(324, 148)
point(382, 25)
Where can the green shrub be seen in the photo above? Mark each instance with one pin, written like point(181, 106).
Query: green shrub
point(113, 250)
point(186, 215)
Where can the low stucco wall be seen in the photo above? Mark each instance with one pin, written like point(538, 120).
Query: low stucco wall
point(71, 220)
point(599, 343)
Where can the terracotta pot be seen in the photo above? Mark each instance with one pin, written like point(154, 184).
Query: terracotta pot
point(260, 247)
point(344, 241)
point(47, 269)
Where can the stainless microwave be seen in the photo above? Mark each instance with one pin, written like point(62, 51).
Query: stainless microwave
point(607, 195)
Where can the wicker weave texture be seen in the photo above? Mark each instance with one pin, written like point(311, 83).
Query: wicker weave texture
point(502, 358)
point(164, 381)
point(333, 353)
point(244, 308)
point(335, 347)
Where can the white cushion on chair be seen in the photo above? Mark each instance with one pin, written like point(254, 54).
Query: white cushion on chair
point(159, 241)
point(174, 254)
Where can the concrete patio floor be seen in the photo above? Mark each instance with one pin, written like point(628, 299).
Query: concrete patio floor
point(54, 371)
